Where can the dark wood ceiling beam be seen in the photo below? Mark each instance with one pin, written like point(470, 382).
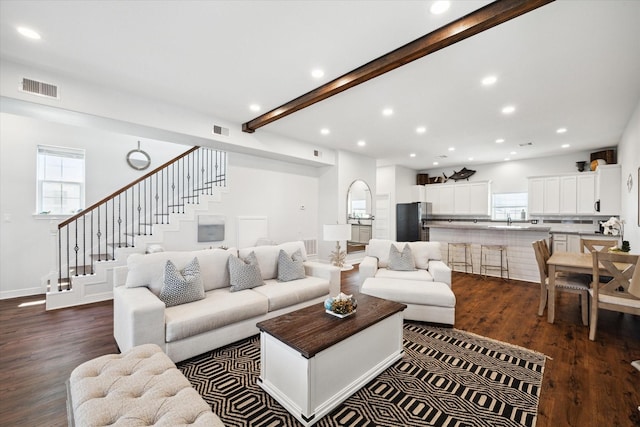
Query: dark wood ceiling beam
point(474, 23)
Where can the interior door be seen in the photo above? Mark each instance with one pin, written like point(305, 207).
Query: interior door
point(381, 223)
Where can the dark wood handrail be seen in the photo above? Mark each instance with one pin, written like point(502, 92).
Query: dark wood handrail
point(125, 188)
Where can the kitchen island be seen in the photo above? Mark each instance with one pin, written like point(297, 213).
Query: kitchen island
point(516, 237)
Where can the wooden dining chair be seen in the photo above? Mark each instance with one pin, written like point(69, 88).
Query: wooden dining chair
point(592, 245)
point(565, 282)
point(613, 294)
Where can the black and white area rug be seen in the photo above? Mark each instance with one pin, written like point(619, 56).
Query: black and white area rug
point(446, 377)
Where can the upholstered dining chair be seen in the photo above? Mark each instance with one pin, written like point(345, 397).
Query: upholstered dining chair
point(565, 282)
point(592, 245)
point(614, 294)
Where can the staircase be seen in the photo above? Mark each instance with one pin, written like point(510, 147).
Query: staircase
point(101, 237)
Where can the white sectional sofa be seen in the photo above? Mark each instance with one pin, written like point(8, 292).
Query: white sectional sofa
point(223, 316)
point(424, 285)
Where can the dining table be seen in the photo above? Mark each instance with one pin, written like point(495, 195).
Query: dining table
point(574, 262)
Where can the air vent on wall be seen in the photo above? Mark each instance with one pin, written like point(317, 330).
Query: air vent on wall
point(219, 130)
point(35, 87)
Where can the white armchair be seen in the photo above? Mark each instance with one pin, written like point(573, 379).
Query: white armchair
point(426, 255)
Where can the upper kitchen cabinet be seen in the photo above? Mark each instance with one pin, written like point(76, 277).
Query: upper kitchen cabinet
point(468, 198)
point(607, 199)
point(586, 193)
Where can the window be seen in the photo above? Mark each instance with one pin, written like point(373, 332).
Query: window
point(512, 205)
point(60, 180)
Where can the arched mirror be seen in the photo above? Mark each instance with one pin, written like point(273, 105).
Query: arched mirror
point(359, 215)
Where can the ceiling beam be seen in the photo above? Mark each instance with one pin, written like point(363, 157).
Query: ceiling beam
point(474, 23)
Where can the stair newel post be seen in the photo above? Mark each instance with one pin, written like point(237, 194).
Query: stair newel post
point(84, 241)
point(60, 260)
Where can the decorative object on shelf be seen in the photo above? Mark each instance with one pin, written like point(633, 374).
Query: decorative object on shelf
point(138, 159)
point(629, 183)
point(613, 226)
point(337, 232)
point(341, 305)
point(580, 166)
point(596, 163)
point(463, 173)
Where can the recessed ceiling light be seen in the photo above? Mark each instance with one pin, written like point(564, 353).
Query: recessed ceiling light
point(508, 109)
point(325, 131)
point(412, 155)
point(387, 112)
point(489, 80)
point(440, 7)
point(561, 130)
point(361, 143)
point(254, 107)
point(452, 148)
point(29, 33)
point(565, 145)
point(499, 141)
point(506, 159)
point(470, 159)
point(317, 73)
point(513, 153)
point(421, 129)
point(435, 163)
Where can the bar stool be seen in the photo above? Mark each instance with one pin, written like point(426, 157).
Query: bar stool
point(453, 248)
point(488, 251)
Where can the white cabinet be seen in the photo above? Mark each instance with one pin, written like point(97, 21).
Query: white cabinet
point(418, 193)
point(360, 233)
point(568, 195)
point(585, 193)
point(551, 195)
point(469, 198)
point(608, 190)
point(536, 196)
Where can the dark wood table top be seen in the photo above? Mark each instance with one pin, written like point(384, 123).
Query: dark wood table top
point(311, 330)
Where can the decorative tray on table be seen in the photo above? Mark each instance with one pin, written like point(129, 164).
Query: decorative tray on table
point(341, 305)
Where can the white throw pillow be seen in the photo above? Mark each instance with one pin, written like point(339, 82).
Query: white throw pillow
point(401, 261)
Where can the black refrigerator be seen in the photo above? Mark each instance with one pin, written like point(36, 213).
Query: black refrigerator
point(411, 221)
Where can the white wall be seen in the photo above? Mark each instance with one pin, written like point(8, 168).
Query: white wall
point(511, 176)
point(629, 157)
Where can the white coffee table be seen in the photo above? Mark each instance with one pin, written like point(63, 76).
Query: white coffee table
point(312, 361)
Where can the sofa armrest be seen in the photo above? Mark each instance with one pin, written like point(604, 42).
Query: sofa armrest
point(138, 317)
point(325, 271)
point(440, 272)
point(368, 268)
point(120, 275)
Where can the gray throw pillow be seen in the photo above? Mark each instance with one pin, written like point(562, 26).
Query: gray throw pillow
point(181, 287)
point(290, 267)
point(244, 274)
point(401, 261)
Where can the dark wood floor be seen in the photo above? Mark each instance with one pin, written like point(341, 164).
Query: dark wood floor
point(585, 383)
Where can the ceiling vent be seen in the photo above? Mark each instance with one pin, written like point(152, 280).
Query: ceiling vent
point(219, 130)
point(524, 144)
point(35, 87)
point(442, 156)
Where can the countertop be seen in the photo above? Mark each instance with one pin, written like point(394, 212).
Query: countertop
point(492, 226)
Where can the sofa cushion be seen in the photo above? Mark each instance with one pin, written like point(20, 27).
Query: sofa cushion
point(148, 270)
point(244, 273)
point(417, 274)
point(422, 251)
point(411, 291)
point(401, 261)
point(285, 294)
point(268, 256)
point(219, 308)
point(290, 267)
point(181, 287)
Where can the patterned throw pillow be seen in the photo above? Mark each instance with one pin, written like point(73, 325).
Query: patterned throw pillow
point(401, 261)
point(181, 287)
point(290, 267)
point(244, 274)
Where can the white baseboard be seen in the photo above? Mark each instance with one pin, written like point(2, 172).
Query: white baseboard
point(21, 293)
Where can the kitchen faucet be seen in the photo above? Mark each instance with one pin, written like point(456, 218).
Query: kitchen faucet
point(509, 219)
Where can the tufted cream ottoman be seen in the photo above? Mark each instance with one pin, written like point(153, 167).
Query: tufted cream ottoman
point(141, 387)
